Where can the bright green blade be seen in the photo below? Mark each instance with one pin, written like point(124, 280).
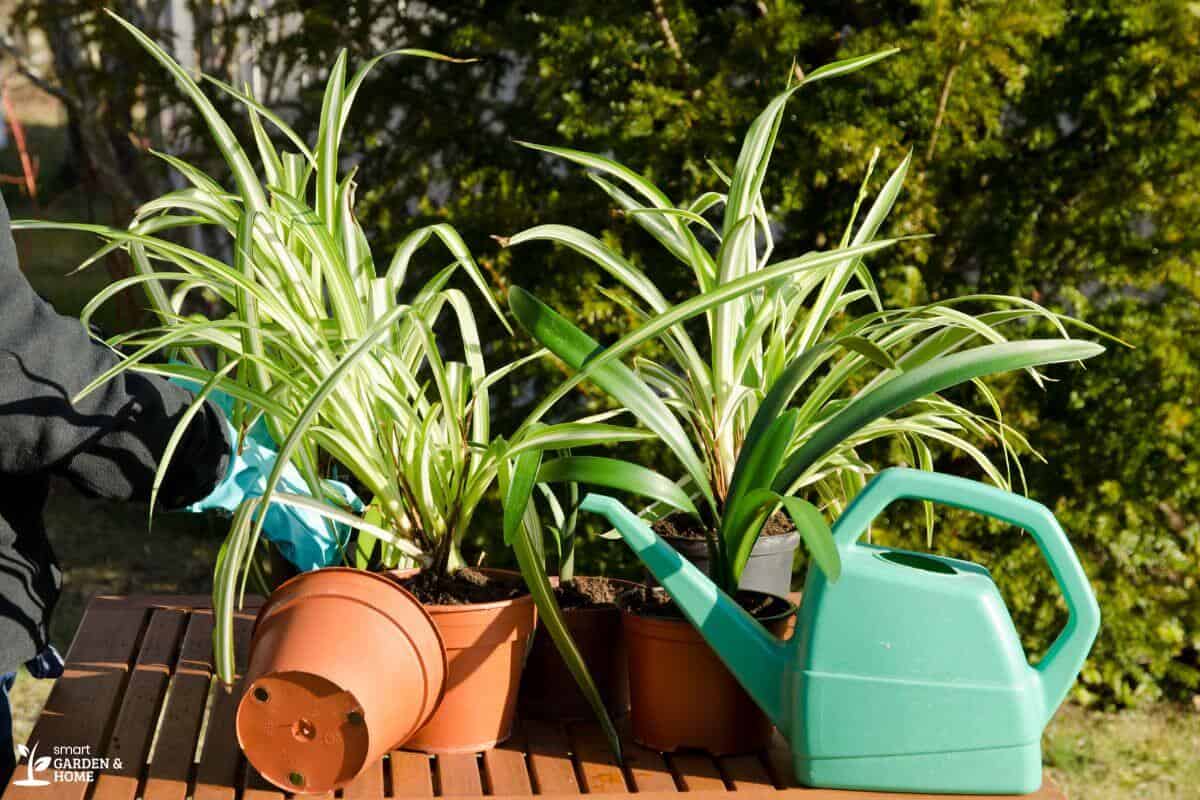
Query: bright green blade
point(756, 469)
point(576, 434)
point(533, 570)
point(576, 348)
point(848, 65)
point(815, 531)
point(616, 474)
point(519, 491)
point(654, 326)
point(227, 143)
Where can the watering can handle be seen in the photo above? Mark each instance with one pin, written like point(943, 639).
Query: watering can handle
point(1062, 662)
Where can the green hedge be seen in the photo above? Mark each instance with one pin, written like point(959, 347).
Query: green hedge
point(1056, 156)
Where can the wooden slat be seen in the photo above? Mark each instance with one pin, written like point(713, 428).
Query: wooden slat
point(550, 764)
point(1045, 793)
point(116, 678)
point(504, 768)
point(647, 769)
point(217, 776)
point(107, 637)
point(81, 706)
point(746, 772)
point(175, 748)
point(179, 602)
point(258, 788)
point(133, 731)
point(696, 772)
point(367, 786)
point(458, 775)
point(597, 765)
point(412, 774)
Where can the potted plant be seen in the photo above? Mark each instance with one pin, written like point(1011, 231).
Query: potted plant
point(590, 613)
point(318, 352)
point(728, 416)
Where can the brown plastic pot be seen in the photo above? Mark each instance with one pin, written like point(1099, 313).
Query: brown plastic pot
point(549, 690)
point(486, 645)
point(345, 665)
point(682, 696)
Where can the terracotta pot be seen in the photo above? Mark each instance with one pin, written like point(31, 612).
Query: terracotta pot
point(682, 696)
point(549, 691)
point(345, 665)
point(486, 644)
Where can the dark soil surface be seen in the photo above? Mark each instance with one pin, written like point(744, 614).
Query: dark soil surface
point(684, 526)
point(679, 526)
point(463, 587)
point(779, 524)
point(647, 603)
point(587, 592)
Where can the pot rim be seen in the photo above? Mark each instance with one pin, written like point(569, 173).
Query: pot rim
point(401, 618)
point(273, 603)
point(772, 545)
point(763, 545)
point(453, 608)
point(792, 608)
point(606, 609)
point(458, 608)
point(272, 600)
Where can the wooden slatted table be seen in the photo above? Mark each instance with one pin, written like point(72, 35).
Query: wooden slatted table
point(139, 691)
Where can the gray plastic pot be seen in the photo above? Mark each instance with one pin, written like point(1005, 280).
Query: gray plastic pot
point(768, 570)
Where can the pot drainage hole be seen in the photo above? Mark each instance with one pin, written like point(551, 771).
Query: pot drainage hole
point(304, 731)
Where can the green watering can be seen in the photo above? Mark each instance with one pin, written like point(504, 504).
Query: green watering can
point(906, 674)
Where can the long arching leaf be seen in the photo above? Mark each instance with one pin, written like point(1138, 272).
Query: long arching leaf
point(615, 474)
point(927, 379)
point(577, 348)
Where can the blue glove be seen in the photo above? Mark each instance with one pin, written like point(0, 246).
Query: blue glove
point(304, 537)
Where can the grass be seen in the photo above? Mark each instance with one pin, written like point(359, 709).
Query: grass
point(1147, 754)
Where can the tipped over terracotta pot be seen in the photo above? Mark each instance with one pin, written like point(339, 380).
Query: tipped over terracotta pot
point(345, 665)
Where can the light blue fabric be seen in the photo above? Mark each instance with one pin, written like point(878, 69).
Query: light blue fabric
point(304, 537)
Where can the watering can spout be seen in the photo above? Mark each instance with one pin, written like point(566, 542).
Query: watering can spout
point(756, 658)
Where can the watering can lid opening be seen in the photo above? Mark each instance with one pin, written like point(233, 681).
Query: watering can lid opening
point(924, 563)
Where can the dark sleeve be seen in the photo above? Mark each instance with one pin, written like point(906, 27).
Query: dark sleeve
point(109, 443)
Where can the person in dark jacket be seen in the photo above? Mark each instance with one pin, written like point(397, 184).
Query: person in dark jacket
point(107, 445)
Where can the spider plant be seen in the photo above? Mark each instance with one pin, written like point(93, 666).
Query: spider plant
point(722, 401)
point(331, 350)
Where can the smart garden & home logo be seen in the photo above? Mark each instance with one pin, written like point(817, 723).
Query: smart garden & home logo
point(65, 764)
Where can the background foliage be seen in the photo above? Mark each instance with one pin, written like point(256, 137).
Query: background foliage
point(1055, 156)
